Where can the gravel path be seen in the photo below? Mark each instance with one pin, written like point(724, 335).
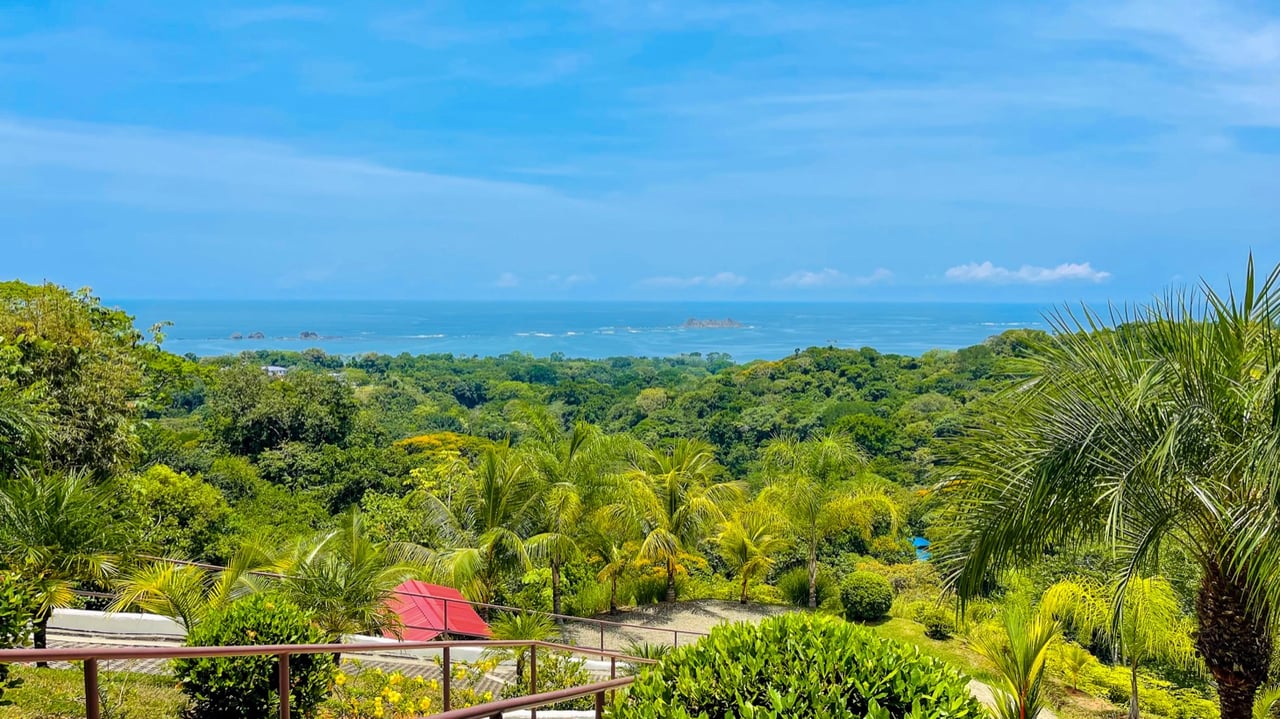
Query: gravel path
point(669, 624)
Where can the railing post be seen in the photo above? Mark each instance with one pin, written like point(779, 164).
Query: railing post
point(599, 705)
point(675, 639)
point(533, 676)
point(602, 636)
point(445, 682)
point(445, 631)
point(283, 687)
point(92, 704)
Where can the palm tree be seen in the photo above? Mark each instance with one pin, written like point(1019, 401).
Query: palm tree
point(811, 481)
point(610, 539)
point(522, 626)
point(58, 530)
point(187, 592)
point(1150, 626)
point(486, 525)
point(573, 469)
point(347, 581)
point(673, 496)
point(748, 541)
point(1075, 661)
point(1156, 426)
point(558, 545)
point(1019, 651)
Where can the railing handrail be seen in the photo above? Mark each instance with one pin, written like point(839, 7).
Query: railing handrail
point(449, 600)
point(76, 654)
point(92, 655)
point(533, 701)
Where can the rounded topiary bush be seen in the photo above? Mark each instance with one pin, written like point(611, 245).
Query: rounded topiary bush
point(866, 596)
point(797, 665)
point(245, 687)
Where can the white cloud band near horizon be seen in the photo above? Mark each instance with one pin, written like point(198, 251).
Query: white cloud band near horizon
point(719, 279)
point(828, 277)
point(1026, 274)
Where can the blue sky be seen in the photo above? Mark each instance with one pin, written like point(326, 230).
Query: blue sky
point(646, 149)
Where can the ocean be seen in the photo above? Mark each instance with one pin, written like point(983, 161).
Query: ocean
point(759, 330)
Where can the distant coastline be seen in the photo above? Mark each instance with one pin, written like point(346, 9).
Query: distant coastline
point(743, 330)
point(727, 323)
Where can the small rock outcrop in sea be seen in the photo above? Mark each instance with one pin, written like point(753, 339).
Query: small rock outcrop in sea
point(726, 323)
point(308, 335)
point(237, 336)
point(257, 336)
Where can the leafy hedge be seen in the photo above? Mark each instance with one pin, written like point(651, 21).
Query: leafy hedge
point(866, 596)
point(16, 607)
point(245, 687)
point(797, 665)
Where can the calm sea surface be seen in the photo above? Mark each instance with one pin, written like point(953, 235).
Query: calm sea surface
point(577, 329)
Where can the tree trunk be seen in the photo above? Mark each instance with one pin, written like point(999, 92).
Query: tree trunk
point(1133, 691)
point(40, 633)
point(743, 599)
point(1233, 638)
point(613, 595)
point(813, 577)
point(671, 580)
point(555, 589)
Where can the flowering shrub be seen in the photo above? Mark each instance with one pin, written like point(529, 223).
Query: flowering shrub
point(360, 693)
point(556, 670)
point(375, 694)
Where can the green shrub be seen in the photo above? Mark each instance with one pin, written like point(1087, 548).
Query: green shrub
point(797, 665)
point(793, 585)
point(556, 670)
point(643, 590)
point(16, 607)
point(245, 687)
point(866, 596)
point(938, 623)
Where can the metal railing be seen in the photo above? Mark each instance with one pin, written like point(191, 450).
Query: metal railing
point(91, 656)
point(601, 625)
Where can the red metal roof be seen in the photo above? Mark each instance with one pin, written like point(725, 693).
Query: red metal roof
point(421, 607)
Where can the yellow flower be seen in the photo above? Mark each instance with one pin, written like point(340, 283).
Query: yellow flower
point(424, 705)
point(340, 679)
point(396, 678)
point(393, 696)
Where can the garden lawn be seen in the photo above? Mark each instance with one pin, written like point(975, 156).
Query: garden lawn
point(58, 693)
point(954, 651)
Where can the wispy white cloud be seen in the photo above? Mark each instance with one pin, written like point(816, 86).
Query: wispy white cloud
point(719, 279)
point(198, 170)
point(1214, 32)
point(507, 279)
point(1026, 274)
point(809, 279)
